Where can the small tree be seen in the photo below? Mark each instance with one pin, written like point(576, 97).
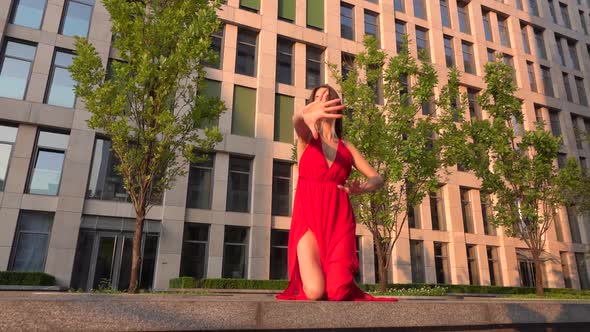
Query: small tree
point(518, 170)
point(149, 103)
point(398, 138)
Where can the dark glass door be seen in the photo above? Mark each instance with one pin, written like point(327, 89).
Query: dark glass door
point(105, 253)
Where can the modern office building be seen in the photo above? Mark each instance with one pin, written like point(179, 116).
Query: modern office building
point(63, 209)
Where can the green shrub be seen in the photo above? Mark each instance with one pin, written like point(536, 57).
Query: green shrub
point(11, 278)
point(183, 282)
point(472, 289)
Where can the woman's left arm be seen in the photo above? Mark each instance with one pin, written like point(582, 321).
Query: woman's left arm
point(374, 180)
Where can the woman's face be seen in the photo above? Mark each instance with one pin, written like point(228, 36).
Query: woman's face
point(318, 93)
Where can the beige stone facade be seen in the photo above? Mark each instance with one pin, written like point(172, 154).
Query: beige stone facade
point(32, 113)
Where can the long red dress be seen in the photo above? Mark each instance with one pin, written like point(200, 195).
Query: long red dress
point(325, 210)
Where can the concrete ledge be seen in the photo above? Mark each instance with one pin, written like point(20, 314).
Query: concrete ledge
point(71, 311)
point(32, 288)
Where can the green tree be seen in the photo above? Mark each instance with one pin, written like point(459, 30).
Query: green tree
point(396, 135)
point(149, 102)
point(518, 170)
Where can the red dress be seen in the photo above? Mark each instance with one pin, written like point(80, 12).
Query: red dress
point(325, 210)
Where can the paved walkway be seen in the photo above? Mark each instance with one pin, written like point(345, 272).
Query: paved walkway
point(25, 311)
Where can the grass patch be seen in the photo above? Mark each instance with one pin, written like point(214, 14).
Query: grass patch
point(423, 291)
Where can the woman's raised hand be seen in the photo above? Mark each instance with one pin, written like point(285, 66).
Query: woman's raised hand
point(321, 109)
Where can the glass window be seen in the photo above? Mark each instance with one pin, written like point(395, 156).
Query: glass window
point(279, 240)
point(76, 20)
point(243, 111)
point(503, 31)
point(420, 9)
point(565, 270)
point(7, 139)
point(463, 12)
point(552, 14)
point(400, 32)
point(61, 84)
point(525, 39)
point(547, 81)
point(212, 90)
point(449, 51)
point(560, 52)
point(235, 252)
point(422, 43)
point(568, 88)
point(558, 226)
point(474, 110)
point(251, 5)
point(533, 8)
point(582, 97)
point(565, 15)
point(238, 185)
point(444, 13)
point(284, 61)
point(582, 267)
point(487, 26)
point(246, 52)
point(441, 263)
point(347, 64)
point(105, 181)
point(494, 266)
point(399, 5)
point(468, 58)
point(315, 14)
point(48, 162)
point(287, 10)
point(572, 218)
point(472, 264)
point(346, 21)
point(15, 68)
point(217, 47)
point(28, 13)
point(372, 24)
point(200, 183)
point(583, 21)
point(486, 214)
point(313, 68)
point(437, 211)
point(540, 44)
point(283, 128)
point(193, 262)
point(491, 55)
point(571, 45)
point(532, 78)
point(29, 249)
point(417, 258)
point(281, 188)
point(467, 211)
point(555, 123)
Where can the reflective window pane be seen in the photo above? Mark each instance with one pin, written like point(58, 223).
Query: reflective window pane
point(105, 182)
point(77, 18)
point(30, 245)
point(29, 13)
point(16, 64)
point(61, 87)
point(53, 140)
point(46, 174)
point(200, 185)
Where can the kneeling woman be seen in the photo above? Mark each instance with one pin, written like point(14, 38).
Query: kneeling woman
point(322, 244)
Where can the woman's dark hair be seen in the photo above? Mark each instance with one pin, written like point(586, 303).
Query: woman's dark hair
point(332, 94)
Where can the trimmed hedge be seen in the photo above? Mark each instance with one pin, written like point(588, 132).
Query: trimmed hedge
point(220, 283)
point(472, 289)
point(190, 282)
point(11, 278)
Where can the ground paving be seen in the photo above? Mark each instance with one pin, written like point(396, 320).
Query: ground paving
point(42, 311)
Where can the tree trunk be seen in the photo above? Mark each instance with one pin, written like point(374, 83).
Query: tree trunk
point(136, 256)
point(538, 276)
point(382, 269)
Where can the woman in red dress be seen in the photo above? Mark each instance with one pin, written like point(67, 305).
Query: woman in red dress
point(322, 244)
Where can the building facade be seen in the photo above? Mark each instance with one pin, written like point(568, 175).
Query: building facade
point(63, 209)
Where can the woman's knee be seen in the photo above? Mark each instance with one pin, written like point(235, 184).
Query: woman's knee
point(314, 293)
